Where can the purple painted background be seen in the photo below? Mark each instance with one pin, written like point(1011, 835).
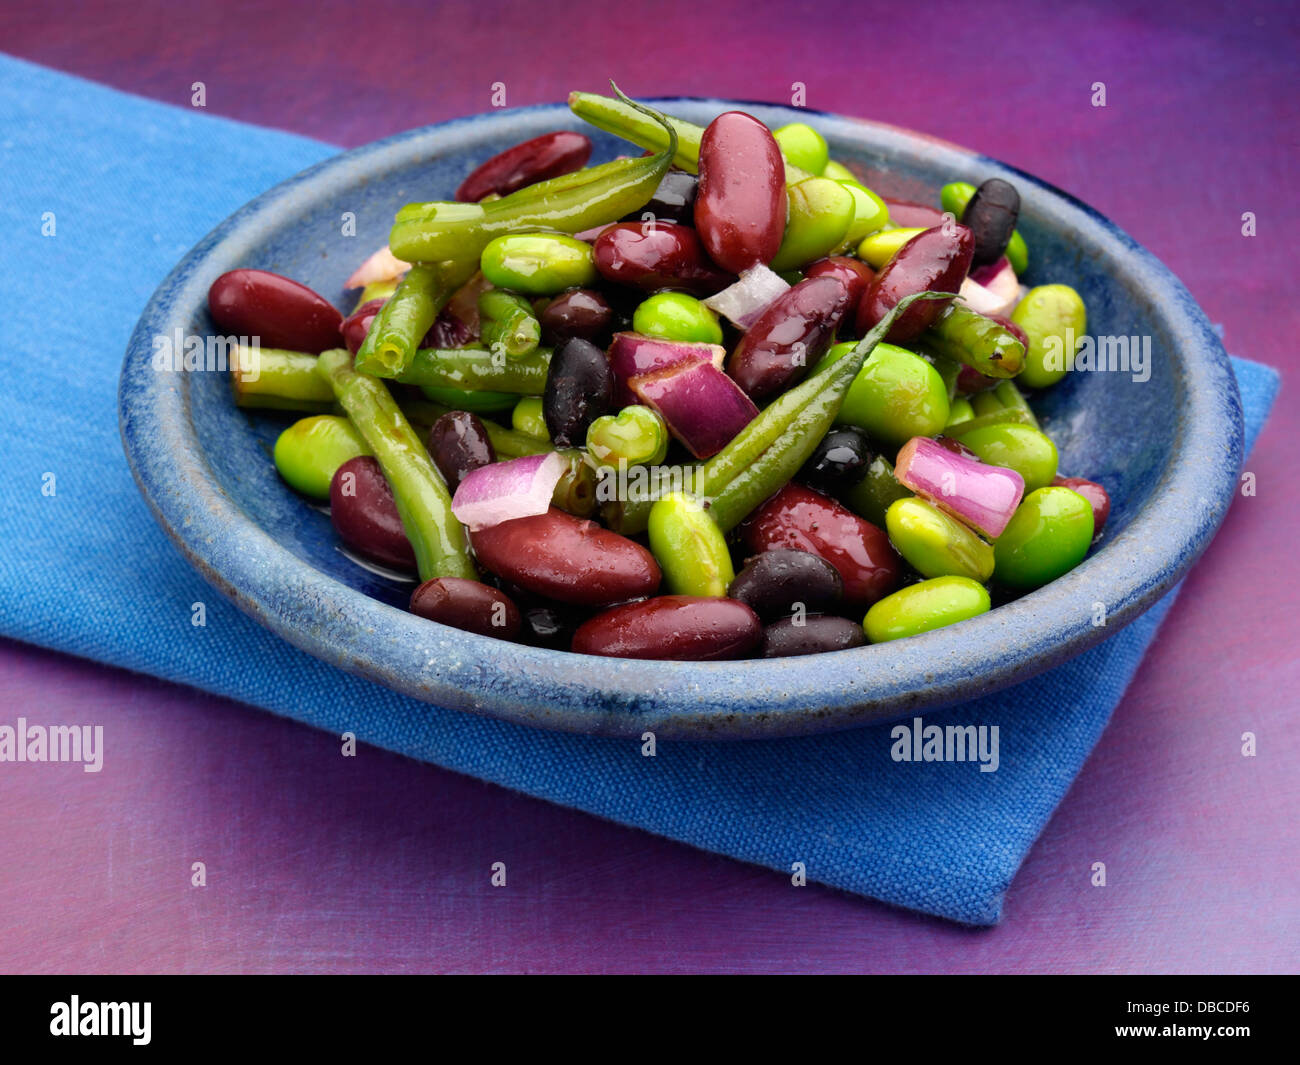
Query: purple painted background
point(383, 866)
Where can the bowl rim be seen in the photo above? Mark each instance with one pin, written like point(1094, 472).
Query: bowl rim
point(696, 700)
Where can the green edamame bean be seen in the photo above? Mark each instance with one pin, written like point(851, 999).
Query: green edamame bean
point(870, 213)
point(838, 171)
point(959, 410)
point(896, 396)
point(936, 544)
point(677, 316)
point(308, 453)
point(879, 248)
point(1050, 315)
point(689, 546)
point(527, 418)
point(474, 402)
point(954, 197)
point(872, 496)
point(803, 146)
point(636, 436)
point(507, 323)
point(538, 264)
point(1022, 448)
point(821, 212)
point(925, 606)
point(1047, 536)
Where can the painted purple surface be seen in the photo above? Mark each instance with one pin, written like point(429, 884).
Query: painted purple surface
point(318, 863)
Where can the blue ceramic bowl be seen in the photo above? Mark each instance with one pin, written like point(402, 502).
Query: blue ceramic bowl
point(1167, 449)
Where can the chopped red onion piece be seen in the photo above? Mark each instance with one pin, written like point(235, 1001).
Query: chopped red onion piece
point(702, 406)
point(983, 496)
point(992, 289)
point(503, 491)
point(744, 302)
point(382, 266)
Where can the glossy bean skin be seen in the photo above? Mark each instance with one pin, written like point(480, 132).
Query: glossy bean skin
point(580, 312)
point(776, 584)
point(672, 627)
point(977, 341)
point(838, 462)
point(869, 214)
point(565, 558)
point(1093, 493)
point(283, 313)
point(1028, 451)
point(538, 264)
point(935, 260)
point(803, 146)
point(871, 497)
point(545, 626)
point(365, 516)
point(673, 201)
point(804, 520)
point(897, 395)
point(655, 256)
point(856, 275)
point(458, 445)
point(878, 248)
point(740, 208)
point(787, 638)
point(1047, 536)
point(792, 334)
point(991, 216)
point(469, 605)
point(547, 156)
point(579, 389)
point(677, 316)
point(936, 544)
point(925, 606)
point(308, 452)
point(355, 326)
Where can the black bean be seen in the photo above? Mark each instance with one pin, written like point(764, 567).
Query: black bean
point(579, 389)
point(458, 445)
point(991, 216)
point(787, 637)
point(779, 583)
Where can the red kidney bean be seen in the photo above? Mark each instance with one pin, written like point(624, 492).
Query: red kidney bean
point(579, 389)
point(677, 627)
point(448, 331)
point(580, 312)
point(970, 380)
point(1094, 494)
point(741, 205)
point(991, 216)
point(567, 559)
point(281, 312)
point(792, 334)
point(775, 584)
point(804, 520)
point(657, 255)
point(856, 275)
point(935, 260)
point(907, 214)
point(458, 445)
point(357, 324)
point(673, 201)
point(365, 516)
point(547, 156)
point(469, 605)
point(787, 637)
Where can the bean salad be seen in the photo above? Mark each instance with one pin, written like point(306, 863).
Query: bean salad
point(714, 400)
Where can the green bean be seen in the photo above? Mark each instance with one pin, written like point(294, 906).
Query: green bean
point(401, 323)
point(418, 490)
point(284, 380)
point(979, 342)
point(506, 320)
point(1002, 416)
point(871, 497)
point(477, 370)
point(573, 202)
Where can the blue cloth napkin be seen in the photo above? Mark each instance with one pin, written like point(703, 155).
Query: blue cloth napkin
point(130, 186)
